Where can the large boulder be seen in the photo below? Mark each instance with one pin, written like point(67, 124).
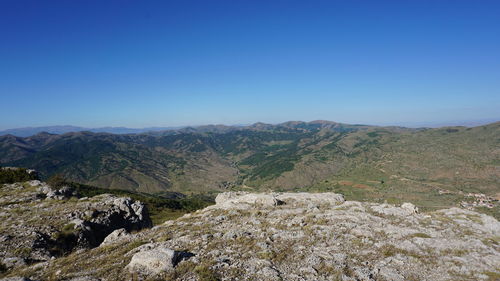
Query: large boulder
point(63, 193)
point(156, 260)
point(116, 236)
point(304, 199)
point(113, 213)
point(244, 200)
point(406, 209)
point(412, 209)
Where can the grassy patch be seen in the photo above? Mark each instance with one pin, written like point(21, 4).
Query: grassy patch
point(494, 212)
point(205, 273)
point(162, 215)
point(494, 241)
point(23, 252)
point(420, 235)
point(389, 250)
point(265, 255)
point(492, 275)
point(454, 252)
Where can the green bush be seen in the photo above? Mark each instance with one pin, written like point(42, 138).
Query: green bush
point(12, 175)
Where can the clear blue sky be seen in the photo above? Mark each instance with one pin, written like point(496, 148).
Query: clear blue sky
point(168, 63)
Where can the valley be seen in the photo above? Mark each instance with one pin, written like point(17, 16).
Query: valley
point(366, 163)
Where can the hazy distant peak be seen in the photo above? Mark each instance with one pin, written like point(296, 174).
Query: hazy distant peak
point(214, 128)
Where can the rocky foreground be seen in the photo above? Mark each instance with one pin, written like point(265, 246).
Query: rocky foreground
point(40, 223)
point(289, 236)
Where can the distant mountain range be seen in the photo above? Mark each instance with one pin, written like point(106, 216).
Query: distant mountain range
point(362, 162)
point(30, 131)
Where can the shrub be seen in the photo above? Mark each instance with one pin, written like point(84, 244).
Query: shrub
point(12, 175)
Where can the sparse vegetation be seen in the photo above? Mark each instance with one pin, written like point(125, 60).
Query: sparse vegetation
point(65, 240)
point(421, 235)
point(204, 273)
point(57, 181)
point(286, 240)
point(12, 175)
point(160, 208)
point(492, 276)
point(382, 164)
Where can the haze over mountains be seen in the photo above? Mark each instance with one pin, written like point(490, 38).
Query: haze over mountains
point(30, 131)
point(362, 162)
point(62, 129)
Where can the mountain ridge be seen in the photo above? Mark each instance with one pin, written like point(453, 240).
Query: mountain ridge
point(62, 129)
point(362, 162)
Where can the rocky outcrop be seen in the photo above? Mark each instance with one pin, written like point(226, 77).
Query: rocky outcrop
point(246, 200)
point(301, 236)
point(111, 213)
point(320, 236)
point(39, 222)
point(406, 209)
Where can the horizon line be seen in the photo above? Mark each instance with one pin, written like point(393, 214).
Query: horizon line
point(413, 124)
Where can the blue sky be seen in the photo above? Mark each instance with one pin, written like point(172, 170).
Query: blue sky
point(170, 63)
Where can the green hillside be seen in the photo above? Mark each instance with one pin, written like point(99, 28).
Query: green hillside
point(362, 162)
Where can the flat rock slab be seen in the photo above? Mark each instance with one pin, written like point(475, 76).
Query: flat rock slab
point(245, 200)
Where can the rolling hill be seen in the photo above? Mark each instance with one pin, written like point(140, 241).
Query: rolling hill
point(362, 162)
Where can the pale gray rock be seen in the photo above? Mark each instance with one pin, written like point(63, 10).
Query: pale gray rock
point(388, 273)
point(156, 260)
point(391, 210)
point(307, 237)
point(63, 193)
point(35, 183)
point(36, 230)
point(13, 262)
point(116, 236)
point(85, 278)
point(302, 199)
point(412, 209)
point(244, 200)
point(44, 188)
